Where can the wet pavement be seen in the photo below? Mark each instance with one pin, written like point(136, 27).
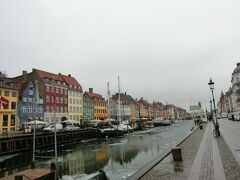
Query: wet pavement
point(231, 133)
point(167, 169)
point(204, 157)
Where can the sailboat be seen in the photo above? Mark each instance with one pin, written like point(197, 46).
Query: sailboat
point(112, 129)
point(123, 125)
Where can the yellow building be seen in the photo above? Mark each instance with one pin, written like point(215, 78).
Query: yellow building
point(8, 105)
point(100, 105)
point(133, 110)
point(144, 108)
point(75, 99)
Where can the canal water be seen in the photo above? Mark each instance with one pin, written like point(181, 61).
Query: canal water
point(118, 157)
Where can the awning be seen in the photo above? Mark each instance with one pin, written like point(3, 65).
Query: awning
point(71, 122)
point(37, 122)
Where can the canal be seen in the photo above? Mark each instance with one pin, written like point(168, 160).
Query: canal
point(118, 157)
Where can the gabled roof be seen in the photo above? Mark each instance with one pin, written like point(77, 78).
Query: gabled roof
point(94, 95)
point(44, 74)
point(71, 81)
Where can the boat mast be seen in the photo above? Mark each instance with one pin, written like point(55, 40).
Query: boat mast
point(108, 95)
point(119, 110)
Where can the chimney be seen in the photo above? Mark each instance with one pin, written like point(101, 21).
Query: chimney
point(69, 75)
point(24, 73)
point(59, 74)
point(91, 90)
point(125, 93)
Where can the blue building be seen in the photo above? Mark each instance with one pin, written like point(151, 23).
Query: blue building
point(30, 106)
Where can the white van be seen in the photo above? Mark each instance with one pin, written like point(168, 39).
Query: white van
point(51, 128)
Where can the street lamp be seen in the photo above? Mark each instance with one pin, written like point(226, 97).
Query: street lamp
point(211, 109)
point(211, 86)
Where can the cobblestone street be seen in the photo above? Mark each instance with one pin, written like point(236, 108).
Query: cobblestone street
point(204, 157)
point(168, 169)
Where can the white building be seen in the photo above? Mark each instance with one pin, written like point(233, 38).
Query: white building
point(235, 95)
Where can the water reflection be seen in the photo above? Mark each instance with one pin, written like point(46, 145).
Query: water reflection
point(117, 157)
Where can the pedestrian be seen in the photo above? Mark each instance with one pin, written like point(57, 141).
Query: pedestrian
point(233, 117)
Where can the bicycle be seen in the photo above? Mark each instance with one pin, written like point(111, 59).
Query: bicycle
point(216, 131)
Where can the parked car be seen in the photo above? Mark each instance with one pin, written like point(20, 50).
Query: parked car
point(237, 117)
point(224, 115)
point(71, 128)
point(51, 128)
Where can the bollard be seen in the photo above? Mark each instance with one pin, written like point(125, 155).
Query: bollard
point(18, 177)
point(32, 165)
point(200, 126)
point(53, 167)
point(60, 170)
point(177, 153)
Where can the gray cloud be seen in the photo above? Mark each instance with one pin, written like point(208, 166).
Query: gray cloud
point(162, 50)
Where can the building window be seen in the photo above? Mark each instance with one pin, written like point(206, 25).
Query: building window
point(30, 92)
point(24, 99)
point(52, 89)
point(65, 100)
point(52, 109)
point(35, 109)
point(61, 109)
point(47, 99)
point(5, 120)
point(24, 109)
point(65, 109)
point(52, 99)
point(14, 94)
point(47, 88)
point(57, 99)
point(12, 120)
point(13, 105)
point(1, 83)
point(29, 109)
point(61, 100)
point(6, 93)
point(61, 91)
point(0, 92)
point(57, 109)
point(40, 110)
point(57, 90)
point(70, 100)
point(29, 99)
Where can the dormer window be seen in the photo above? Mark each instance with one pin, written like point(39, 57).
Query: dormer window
point(11, 85)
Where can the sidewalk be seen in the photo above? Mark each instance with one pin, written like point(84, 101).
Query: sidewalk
point(204, 157)
point(208, 164)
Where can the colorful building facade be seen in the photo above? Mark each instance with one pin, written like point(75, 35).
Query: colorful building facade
point(75, 99)
point(30, 106)
point(88, 109)
point(8, 105)
point(100, 105)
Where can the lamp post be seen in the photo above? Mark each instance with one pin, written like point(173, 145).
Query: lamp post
point(211, 109)
point(211, 85)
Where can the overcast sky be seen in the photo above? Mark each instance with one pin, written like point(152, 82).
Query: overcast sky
point(164, 50)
